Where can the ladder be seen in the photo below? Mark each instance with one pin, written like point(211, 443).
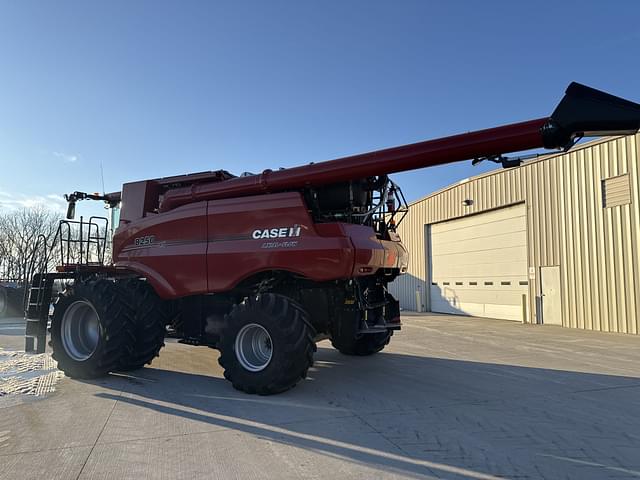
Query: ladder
point(37, 299)
point(37, 312)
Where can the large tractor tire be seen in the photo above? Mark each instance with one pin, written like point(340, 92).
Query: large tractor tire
point(266, 344)
point(11, 301)
point(4, 302)
point(346, 339)
point(363, 345)
point(16, 301)
point(344, 331)
point(92, 331)
point(150, 318)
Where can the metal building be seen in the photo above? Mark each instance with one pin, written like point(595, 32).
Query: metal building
point(555, 241)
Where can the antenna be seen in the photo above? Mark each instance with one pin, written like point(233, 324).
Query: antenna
point(102, 177)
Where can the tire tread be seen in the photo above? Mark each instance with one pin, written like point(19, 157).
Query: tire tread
point(117, 323)
point(290, 319)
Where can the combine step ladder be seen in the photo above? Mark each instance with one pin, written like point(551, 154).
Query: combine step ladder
point(37, 298)
point(37, 313)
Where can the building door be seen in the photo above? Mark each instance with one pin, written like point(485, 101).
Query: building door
point(478, 264)
point(551, 300)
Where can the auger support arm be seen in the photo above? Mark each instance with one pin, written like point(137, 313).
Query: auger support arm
point(111, 199)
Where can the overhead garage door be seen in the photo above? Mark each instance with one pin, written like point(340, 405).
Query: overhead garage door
point(478, 264)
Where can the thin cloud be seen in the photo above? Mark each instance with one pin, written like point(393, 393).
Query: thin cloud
point(52, 201)
point(66, 157)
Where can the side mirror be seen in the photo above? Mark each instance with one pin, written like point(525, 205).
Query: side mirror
point(71, 210)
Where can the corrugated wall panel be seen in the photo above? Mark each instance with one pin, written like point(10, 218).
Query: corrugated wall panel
point(592, 207)
point(634, 244)
point(596, 247)
point(580, 227)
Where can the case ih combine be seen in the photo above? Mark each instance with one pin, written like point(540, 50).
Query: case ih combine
point(261, 267)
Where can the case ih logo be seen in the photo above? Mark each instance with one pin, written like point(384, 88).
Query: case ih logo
point(281, 232)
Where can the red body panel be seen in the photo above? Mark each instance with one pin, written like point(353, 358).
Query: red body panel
point(234, 254)
point(211, 246)
point(174, 260)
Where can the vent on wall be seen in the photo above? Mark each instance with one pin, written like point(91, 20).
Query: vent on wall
point(616, 191)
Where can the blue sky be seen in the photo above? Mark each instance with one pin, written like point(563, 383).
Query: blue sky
point(152, 89)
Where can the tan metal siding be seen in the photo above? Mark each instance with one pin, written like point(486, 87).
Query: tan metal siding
point(596, 246)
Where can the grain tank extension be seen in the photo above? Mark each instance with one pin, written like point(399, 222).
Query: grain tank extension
point(261, 267)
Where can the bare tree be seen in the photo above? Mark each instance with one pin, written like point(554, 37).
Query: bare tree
point(5, 257)
point(23, 234)
point(32, 242)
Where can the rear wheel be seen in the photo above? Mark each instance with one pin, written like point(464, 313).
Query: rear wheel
point(365, 344)
point(150, 317)
point(266, 344)
point(346, 339)
point(92, 331)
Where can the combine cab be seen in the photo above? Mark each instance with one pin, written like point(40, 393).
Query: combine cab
point(261, 267)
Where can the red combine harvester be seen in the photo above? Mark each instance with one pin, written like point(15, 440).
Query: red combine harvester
point(261, 267)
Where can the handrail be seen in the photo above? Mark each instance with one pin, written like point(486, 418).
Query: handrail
point(86, 235)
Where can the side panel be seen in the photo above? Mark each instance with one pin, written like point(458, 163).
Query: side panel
point(271, 232)
point(208, 247)
point(169, 249)
point(372, 253)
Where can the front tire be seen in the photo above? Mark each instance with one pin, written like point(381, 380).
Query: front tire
point(266, 344)
point(150, 318)
point(92, 330)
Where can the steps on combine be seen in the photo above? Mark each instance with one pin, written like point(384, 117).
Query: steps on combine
point(37, 312)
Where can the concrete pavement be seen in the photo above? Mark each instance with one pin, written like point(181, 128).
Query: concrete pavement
point(12, 333)
point(451, 397)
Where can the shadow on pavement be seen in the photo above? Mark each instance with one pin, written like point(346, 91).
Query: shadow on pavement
point(436, 416)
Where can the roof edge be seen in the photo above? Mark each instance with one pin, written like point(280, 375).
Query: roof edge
point(526, 163)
